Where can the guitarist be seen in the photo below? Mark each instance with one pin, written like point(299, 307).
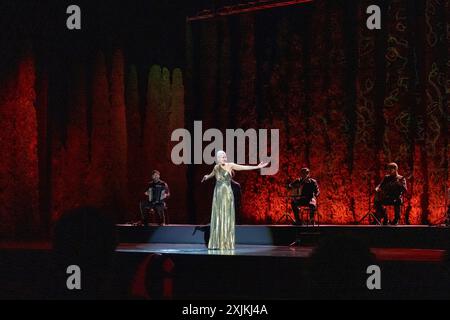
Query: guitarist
point(307, 193)
point(389, 192)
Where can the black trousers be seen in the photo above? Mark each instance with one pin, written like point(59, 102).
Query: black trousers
point(381, 210)
point(302, 202)
point(158, 207)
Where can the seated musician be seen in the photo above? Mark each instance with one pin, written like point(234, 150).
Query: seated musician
point(389, 192)
point(157, 192)
point(306, 191)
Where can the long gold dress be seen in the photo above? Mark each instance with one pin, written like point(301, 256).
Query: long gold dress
point(222, 212)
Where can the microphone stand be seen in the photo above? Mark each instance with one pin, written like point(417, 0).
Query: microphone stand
point(369, 213)
point(286, 216)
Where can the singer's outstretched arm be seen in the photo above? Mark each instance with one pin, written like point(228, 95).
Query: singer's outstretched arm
point(239, 167)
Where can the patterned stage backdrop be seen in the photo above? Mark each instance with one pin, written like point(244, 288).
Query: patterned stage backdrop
point(346, 100)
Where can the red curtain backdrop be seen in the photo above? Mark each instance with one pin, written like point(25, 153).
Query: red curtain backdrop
point(346, 100)
point(19, 182)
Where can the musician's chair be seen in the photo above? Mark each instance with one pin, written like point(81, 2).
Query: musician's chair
point(155, 211)
point(305, 215)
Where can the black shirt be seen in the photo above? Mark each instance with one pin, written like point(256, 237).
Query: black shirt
point(392, 187)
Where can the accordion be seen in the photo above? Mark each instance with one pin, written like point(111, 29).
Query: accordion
point(156, 193)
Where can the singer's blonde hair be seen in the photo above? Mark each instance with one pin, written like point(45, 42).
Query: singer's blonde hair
point(219, 153)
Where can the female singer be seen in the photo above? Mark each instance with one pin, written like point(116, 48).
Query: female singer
point(222, 213)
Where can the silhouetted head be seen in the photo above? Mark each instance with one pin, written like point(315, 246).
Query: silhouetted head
point(85, 237)
point(338, 268)
point(446, 268)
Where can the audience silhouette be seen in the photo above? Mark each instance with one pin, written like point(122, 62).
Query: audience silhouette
point(85, 237)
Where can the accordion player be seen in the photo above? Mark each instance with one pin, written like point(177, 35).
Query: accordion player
point(157, 192)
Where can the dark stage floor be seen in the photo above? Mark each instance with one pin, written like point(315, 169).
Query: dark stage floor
point(381, 254)
point(401, 236)
point(412, 260)
point(303, 252)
